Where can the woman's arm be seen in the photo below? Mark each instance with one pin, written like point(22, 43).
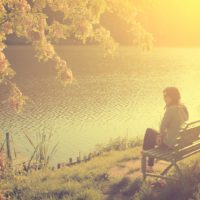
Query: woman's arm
point(165, 122)
point(186, 113)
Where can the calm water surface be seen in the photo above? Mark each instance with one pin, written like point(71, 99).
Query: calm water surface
point(110, 97)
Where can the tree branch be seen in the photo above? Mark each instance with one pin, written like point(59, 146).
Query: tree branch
point(3, 22)
point(8, 12)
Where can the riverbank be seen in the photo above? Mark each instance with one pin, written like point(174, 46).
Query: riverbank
point(114, 175)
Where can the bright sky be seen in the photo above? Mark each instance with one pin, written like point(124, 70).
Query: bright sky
point(173, 22)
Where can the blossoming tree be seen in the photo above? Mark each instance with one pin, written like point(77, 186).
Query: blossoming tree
point(79, 18)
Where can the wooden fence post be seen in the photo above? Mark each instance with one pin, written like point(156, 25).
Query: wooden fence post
point(70, 161)
point(8, 149)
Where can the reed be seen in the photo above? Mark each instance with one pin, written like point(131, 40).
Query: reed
point(44, 148)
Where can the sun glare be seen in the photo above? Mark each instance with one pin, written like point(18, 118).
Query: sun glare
point(174, 22)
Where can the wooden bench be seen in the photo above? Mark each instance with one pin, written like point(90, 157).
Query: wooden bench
point(188, 143)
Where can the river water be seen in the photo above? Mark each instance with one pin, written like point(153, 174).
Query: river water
point(110, 97)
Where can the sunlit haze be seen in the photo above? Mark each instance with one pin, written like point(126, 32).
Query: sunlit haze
point(173, 22)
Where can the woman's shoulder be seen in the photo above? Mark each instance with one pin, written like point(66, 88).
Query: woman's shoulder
point(180, 108)
point(174, 108)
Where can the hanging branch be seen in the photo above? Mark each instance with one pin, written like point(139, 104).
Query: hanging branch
point(80, 19)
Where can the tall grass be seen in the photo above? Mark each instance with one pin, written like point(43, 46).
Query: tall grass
point(43, 149)
point(119, 144)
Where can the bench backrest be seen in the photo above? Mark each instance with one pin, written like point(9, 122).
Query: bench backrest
point(189, 135)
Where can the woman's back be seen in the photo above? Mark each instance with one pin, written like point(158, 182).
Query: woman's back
point(174, 118)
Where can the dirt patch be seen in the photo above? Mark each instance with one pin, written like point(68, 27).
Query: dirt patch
point(132, 168)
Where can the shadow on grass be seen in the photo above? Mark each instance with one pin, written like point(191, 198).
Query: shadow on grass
point(124, 189)
point(185, 188)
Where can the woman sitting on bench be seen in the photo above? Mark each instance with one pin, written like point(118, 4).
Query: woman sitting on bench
point(175, 116)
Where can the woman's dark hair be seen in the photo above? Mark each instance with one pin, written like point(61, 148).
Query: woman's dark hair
point(173, 93)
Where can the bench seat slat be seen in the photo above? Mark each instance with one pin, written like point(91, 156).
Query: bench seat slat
point(167, 154)
point(157, 152)
point(160, 153)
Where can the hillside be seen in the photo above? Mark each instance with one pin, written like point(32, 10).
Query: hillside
point(114, 175)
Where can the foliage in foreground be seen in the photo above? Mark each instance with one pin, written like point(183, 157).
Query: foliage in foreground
point(91, 180)
point(186, 188)
point(81, 182)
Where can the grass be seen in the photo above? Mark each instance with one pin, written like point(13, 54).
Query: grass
point(80, 182)
point(93, 180)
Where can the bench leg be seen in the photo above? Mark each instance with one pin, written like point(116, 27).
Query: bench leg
point(167, 169)
point(178, 169)
point(143, 166)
